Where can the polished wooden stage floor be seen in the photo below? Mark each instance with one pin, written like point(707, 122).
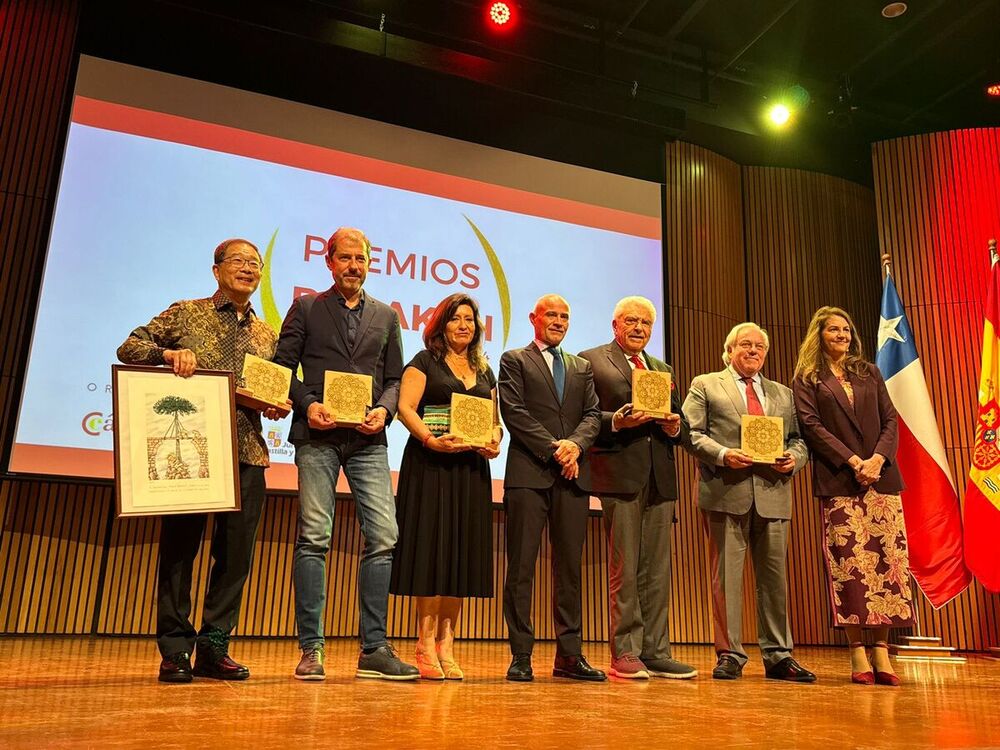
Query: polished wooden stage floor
point(102, 693)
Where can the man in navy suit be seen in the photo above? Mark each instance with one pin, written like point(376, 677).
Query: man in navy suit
point(346, 330)
point(632, 471)
point(549, 405)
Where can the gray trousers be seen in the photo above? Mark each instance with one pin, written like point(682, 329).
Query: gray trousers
point(638, 573)
point(728, 536)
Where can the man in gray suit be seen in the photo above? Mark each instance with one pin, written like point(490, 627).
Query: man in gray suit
point(632, 471)
point(347, 330)
point(745, 503)
point(548, 403)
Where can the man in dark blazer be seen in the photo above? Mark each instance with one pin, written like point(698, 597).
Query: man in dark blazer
point(548, 403)
point(632, 471)
point(346, 330)
point(746, 504)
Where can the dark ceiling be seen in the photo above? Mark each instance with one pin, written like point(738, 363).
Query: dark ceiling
point(602, 84)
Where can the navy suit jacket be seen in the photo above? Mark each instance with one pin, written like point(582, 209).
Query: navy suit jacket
point(536, 417)
point(314, 335)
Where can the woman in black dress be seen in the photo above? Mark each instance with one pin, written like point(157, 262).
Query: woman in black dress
point(444, 499)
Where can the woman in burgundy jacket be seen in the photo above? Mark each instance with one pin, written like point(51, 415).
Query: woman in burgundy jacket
point(849, 423)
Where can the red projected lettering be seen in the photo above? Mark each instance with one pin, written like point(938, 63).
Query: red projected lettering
point(314, 246)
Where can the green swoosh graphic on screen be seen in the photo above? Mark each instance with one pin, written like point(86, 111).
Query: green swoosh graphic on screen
point(501, 278)
point(267, 304)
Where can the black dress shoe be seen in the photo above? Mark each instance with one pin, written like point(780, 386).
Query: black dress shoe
point(576, 668)
point(176, 667)
point(217, 664)
point(520, 669)
point(727, 668)
point(789, 670)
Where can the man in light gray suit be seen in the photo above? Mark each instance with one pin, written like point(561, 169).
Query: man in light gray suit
point(745, 503)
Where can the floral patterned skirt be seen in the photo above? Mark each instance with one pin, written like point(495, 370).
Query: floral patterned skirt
point(867, 561)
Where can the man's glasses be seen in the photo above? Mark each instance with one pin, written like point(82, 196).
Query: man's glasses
point(234, 262)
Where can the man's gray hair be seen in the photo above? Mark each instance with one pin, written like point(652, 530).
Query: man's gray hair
point(634, 300)
point(735, 334)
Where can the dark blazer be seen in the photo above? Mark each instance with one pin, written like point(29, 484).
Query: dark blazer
point(315, 336)
point(834, 431)
point(535, 417)
point(622, 462)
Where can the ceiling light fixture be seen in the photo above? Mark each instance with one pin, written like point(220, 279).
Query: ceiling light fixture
point(894, 10)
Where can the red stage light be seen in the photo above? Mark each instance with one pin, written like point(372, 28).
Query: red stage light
point(993, 89)
point(500, 15)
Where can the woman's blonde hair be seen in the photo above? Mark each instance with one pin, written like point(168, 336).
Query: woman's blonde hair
point(813, 360)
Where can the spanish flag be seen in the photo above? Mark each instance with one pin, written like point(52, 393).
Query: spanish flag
point(982, 495)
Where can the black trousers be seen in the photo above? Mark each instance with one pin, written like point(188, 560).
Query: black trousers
point(566, 508)
point(232, 552)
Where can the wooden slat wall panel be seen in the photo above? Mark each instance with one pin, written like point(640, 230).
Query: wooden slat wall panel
point(51, 547)
point(810, 241)
point(938, 203)
point(705, 297)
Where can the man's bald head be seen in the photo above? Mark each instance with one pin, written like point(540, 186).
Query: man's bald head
point(550, 319)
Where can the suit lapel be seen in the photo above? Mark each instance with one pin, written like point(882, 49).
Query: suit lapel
point(617, 357)
point(770, 396)
point(339, 323)
point(536, 358)
point(830, 381)
point(367, 315)
point(729, 386)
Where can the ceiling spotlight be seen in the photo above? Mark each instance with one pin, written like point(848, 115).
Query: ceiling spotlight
point(894, 10)
point(993, 89)
point(779, 114)
point(500, 15)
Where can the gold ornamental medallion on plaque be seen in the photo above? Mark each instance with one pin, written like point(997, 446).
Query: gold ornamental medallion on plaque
point(651, 392)
point(763, 438)
point(472, 419)
point(348, 395)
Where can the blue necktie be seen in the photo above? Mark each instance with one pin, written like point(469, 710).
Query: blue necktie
point(558, 371)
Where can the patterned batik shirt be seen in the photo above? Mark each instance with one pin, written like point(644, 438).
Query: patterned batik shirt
point(209, 328)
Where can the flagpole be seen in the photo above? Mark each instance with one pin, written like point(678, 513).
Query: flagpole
point(887, 271)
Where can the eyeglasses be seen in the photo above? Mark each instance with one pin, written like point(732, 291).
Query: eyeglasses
point(631, 322)
point(236, 262)
point(748, 345)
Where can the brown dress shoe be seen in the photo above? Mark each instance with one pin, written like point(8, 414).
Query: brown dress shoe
point(176, 667)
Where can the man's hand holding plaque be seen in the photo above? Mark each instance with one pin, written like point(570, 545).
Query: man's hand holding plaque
point(346, 398)
point(651, 393)
point(763, 439)
point(265, 387)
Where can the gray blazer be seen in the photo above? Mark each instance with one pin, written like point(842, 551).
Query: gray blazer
point(713, 408)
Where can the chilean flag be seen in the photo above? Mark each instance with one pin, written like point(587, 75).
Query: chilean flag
point(930, 502)
point(982, 494)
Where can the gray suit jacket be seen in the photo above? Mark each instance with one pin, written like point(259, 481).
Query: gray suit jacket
point(312, 337)
point(713, 408)
point(535, 417)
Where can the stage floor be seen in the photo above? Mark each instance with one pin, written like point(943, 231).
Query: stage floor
point(103, 693)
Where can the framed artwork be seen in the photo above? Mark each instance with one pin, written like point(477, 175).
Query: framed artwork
point(175, 441)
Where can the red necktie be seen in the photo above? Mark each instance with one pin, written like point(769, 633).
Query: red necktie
point(637, 361)
point(753, 403)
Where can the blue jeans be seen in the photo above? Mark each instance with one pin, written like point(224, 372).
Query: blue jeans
point(367, 470)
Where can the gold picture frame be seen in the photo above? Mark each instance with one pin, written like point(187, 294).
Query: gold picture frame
point(762, 438)
point(472, 419)
point(348, 395)
point(651, 392)
point(175, 441)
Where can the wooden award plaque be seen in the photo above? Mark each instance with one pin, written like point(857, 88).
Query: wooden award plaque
point(348, 395)
point(265, 385)
point(472, 419)
point(651, 392)
point(763, 438)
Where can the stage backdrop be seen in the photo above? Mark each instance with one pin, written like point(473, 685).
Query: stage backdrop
point(159, 169)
